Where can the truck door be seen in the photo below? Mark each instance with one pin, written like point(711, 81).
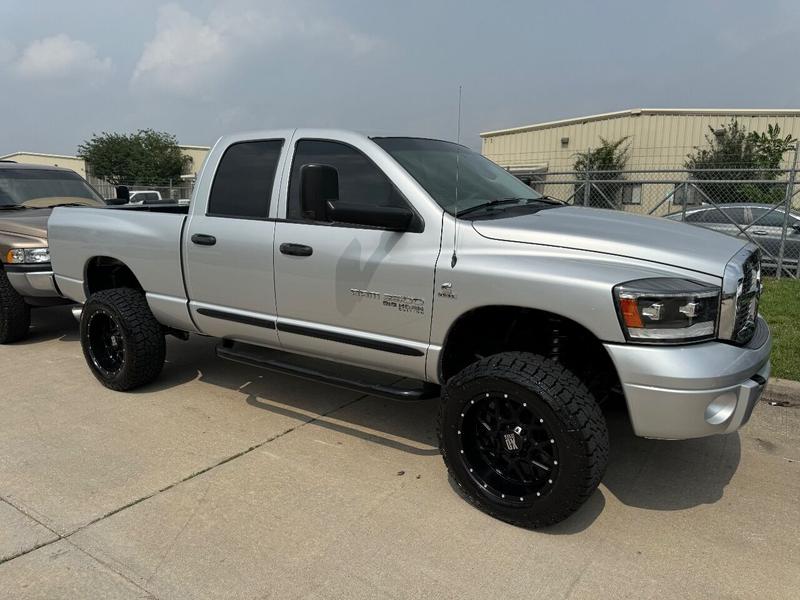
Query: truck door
point(356, 293)
point(228, 259)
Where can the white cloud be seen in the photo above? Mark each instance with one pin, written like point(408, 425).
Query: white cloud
point(60, 56)
point(188, 54)
point(184, 52)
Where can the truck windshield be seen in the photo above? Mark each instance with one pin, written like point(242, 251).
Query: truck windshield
point(42, 188)
point(433, 163)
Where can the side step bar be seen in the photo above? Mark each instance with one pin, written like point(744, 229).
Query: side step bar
point(264, 358)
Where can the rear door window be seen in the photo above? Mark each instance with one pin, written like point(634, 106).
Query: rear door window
point(242, 186)
point(715, 216)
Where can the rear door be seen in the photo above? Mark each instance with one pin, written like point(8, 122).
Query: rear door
point(228, 259)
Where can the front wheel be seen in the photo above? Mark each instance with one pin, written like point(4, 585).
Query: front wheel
point(122, 342)
point(523, 438)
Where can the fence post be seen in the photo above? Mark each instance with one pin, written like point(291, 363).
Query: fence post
point(787, 205)
point(587, 185)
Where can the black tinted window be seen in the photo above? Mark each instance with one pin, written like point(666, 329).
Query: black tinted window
point(243, 183)
point(359, 180)
point(715, 215)
point(762, 217)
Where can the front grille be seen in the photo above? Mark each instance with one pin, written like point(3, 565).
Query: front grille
point(747, 298)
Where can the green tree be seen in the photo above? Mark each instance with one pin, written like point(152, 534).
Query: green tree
point(604, 167)
point(739, 156)
point(146, 156)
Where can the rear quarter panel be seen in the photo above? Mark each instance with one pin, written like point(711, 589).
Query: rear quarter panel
point(148, 243)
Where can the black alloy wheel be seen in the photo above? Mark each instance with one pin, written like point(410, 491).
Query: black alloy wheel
point(523, 438)
point(106, 343)
point(507, 448)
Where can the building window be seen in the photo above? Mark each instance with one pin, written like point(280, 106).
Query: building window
point(631, 193)
point(685, 194)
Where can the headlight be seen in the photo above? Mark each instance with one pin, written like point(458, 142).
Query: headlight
point(667, 310)
point(19, 256)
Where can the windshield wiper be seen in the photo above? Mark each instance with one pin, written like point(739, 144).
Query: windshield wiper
point(497, 202)
point(13, 207)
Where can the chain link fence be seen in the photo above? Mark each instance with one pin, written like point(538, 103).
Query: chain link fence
point(759, 205)
point(164, 192)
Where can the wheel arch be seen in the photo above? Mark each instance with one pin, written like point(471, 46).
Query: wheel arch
point(107, 272)
point(492, 329)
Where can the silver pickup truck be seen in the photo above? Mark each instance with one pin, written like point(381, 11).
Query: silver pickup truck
point(421, 259)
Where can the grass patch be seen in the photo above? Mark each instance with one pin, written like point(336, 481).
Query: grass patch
point(780, 306)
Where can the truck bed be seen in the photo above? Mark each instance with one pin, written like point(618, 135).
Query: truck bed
point(145, 238)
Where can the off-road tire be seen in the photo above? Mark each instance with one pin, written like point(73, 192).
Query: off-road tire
point(566, 406)
point(142, 345)
point(15, 314)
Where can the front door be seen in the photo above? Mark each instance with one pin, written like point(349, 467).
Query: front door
point(357, 293)
point(228, 256)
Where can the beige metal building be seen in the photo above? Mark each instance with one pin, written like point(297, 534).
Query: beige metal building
point(197, 153)
point(53, 160)
point(658, 137)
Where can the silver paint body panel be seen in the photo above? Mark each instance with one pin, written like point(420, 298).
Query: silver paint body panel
point(563, 260)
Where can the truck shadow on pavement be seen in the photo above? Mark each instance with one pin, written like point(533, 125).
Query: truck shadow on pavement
point(53, 323)
point(646, 474)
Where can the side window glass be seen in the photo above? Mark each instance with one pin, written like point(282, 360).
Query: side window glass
point(242, 185)
point(764, 218)
point(340, 173)
point(716, 216)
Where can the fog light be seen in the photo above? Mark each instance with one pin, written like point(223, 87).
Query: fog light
point(721, 408)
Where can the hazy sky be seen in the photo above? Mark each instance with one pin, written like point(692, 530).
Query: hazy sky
point(200, 69)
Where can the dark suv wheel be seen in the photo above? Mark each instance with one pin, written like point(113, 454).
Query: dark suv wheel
point(523, 438)
point(15, 314)
point(122, 342)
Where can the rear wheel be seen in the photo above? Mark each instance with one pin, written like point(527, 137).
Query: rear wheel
point(122, 342)
point(523, 438)
point(15, 314)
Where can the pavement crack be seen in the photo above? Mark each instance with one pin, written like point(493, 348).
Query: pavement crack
point(166, 488)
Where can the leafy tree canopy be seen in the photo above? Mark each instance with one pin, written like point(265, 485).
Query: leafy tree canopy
point(145, 156)
point(733, 153)
point(609, 156)
point(604, 166)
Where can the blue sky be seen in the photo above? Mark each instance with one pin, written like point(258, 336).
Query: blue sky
point(200, 69)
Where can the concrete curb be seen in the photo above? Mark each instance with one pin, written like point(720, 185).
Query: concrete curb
point(782, 392)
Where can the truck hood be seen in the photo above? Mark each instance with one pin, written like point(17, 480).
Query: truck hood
point(618, 233)
point(30, 224)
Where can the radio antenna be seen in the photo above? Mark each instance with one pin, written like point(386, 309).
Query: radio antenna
point(454, 258)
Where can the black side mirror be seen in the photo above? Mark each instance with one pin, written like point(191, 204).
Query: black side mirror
point(123, 193)
point(796, 226)
point(392, 218)
point(318, 185)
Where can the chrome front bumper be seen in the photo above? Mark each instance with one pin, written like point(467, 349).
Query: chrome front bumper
point(34, 281)
point(678, 392)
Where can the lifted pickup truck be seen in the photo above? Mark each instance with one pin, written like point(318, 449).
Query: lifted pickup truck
point(422, 259)
point(28, 194)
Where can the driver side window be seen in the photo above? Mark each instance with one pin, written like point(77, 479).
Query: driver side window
point(353, 178)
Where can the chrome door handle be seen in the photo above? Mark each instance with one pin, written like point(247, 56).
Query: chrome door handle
point(759, 232)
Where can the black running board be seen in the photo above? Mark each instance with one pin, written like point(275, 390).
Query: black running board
point(255, 356)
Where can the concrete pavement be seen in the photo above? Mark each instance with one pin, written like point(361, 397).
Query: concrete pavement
point(222, 481)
